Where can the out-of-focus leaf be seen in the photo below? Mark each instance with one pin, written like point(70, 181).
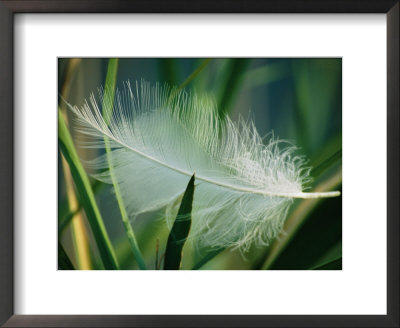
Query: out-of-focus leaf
point(263, 75)
point(207, 258)
point(231, 80)
point(202, 81)
point(189, 79)
point(168, 69)
point(180, 230)
point(331, 256)
point(329, 157)
point(328, 162)
point(331, 265)
point(195, 73)
point(64, 263)
point(317, 86)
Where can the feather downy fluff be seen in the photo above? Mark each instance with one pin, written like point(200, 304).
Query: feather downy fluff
point(160, 136)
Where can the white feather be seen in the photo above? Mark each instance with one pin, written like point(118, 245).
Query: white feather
point(160, 136)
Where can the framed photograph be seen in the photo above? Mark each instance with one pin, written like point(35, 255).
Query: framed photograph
point(184, 118)
point(217, 164)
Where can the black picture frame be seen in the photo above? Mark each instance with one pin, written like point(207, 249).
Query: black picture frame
point(7, 11)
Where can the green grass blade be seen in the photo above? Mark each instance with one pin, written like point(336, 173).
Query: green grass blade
point(65, 220)
point(233, 76)
point(335, 264)
point(168, 70)
point(196, 72)
point(109, 89)
point(321, 167)
point(330, 256)
point(207, 258)
point(65, 216)
point(86, 195)
point(202, 81)
point(188, 80)
point(180, 230)
point(108, 103)
point(64, 263)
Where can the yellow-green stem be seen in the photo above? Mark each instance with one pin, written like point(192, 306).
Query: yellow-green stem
point(86, 195)
point(107, 108)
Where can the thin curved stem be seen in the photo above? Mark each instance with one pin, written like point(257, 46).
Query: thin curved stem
point(108, 100)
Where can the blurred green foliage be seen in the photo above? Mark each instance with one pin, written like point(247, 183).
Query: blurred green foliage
point(299, 99)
